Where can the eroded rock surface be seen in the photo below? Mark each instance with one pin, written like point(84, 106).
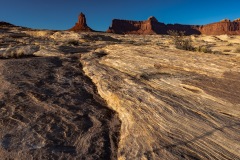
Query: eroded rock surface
point(69, 95)
point(50, 110)
point(172, 104)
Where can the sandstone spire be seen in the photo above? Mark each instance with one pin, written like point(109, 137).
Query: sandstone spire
point(81, 25)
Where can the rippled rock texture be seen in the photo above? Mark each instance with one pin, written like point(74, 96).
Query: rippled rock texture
point(172, 104)
point(50, 110)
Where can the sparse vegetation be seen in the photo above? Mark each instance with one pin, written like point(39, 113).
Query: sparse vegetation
point(237, 50)
point(180, 41)
point(204, 49)
point(185, 43)
point(218, 52)
point(73, 42)
point(227, 50)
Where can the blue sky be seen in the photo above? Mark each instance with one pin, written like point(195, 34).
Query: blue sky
point(62, 14)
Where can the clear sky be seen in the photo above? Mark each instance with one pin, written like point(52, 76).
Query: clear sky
point(62, 14)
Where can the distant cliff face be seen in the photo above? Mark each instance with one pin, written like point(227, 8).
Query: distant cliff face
point(152, 26)
point(223, 27)
point(81, 25)
point(134, 27)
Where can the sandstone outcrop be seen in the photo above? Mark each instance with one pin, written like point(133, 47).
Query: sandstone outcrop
point(152, 26)
point(222, 27)
point(81, 25)
point(172, 104)
point(117, 97)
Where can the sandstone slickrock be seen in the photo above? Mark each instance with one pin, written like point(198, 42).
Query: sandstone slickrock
point(152, 26)
point(50, 110)
point(172, 104)
point(120, 97)
point(81, 25)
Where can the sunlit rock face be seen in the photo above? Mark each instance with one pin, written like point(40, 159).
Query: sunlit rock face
point(223, 27)
point(81, 25)
point(152, 26)
point(172, 104)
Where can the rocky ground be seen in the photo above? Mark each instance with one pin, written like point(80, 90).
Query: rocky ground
point(66, 95)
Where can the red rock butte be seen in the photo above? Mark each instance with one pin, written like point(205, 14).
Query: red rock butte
point(152, 26)
point(81, 25)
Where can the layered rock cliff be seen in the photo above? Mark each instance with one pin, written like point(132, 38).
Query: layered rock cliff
point(152, 26)
point(222, 27)
point(81, 25)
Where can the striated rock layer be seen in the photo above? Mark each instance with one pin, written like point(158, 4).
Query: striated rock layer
point(81, 25)
point(168, 103)
point(152, 26)
point(172, 104)
point(223, 27)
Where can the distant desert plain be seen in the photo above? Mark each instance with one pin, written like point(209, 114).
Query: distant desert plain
point(95, 95)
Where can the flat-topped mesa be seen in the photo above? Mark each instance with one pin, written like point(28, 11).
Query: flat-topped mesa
point(81, 25)
point(223, 27)
point(150, 26)
point(133, 27)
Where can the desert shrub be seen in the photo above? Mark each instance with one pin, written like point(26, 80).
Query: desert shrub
point(143, 76)
point(217, 52)
point(73, 42)
point(205, 49)
point(237, 50)
point(227, 50)
point(180, 41)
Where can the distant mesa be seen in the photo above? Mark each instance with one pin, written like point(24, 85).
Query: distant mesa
point(152, 26)
point(223, 27)
point(81, 25)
